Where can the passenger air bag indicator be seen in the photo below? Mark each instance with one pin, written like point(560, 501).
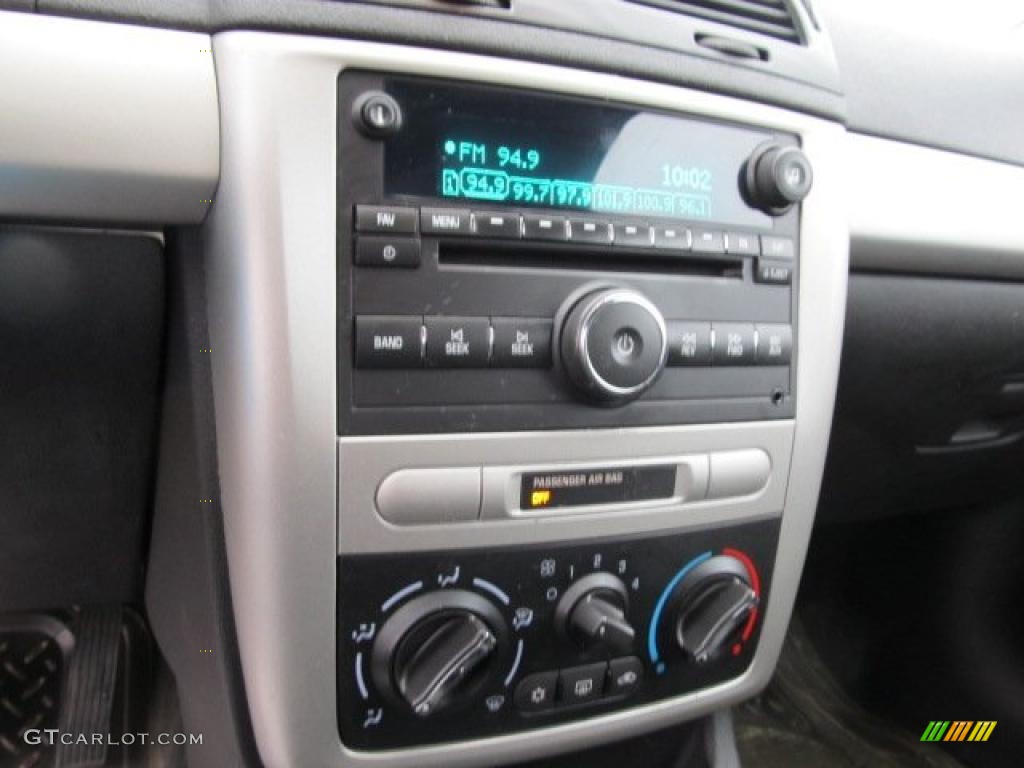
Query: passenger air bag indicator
point(597, 485)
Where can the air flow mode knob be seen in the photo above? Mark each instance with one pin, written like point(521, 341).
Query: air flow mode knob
point(777, 177)
point(614, 344)
point(437, 650)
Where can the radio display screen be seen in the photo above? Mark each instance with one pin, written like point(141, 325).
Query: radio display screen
point(465, 144)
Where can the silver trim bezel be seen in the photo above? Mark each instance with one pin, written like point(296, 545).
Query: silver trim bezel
point(270, 250)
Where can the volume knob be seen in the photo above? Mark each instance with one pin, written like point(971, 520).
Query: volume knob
point(614, 344)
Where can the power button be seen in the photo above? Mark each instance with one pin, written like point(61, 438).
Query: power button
point(614, 344)
point(377, 114)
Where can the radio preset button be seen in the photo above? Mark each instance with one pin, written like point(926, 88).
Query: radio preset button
point(497, 224)
point(742, 245)
point(774, 272)
point(634, 235)
point(774, 344)
point(457, 342)
point(445, 221)
point(538, 227)
point(383, 251)
point(708, 241)
point(521, 342)
point(734, 343)
point(592, 231)
point(379, 218)
point(672, 238)
point(778, 247)
point(689, 343)
point(386, 341)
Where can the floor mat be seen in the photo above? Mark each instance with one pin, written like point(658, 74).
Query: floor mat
point(33, 656)
point(804, 720)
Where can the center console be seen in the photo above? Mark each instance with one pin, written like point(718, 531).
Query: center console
point(524, 378)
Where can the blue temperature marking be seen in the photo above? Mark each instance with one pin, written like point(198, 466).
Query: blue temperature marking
point(652, 641)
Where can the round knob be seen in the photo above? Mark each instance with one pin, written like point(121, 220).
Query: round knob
point(614, 344)
point(777, 176)
point(437, 650)
point(713, 602)
point(592, 613)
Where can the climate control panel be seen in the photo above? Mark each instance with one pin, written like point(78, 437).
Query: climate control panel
point(436, 647)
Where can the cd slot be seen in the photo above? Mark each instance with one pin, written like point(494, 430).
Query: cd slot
point(533, 256)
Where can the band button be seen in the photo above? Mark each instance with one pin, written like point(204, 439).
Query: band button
point(388, 341)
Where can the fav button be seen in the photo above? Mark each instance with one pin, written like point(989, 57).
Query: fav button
point(535, 693)
point(624, 676)
point(577, 685)
point(734, 343)
point(521, 342)
point(457, 342)
point(388, 341)
point(377, 218)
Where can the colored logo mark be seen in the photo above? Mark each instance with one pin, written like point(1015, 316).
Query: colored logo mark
point(958, 730)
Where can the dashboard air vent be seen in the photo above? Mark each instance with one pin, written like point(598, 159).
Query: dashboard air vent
point(766, 17)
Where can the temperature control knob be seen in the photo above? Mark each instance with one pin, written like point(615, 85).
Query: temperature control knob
point(614, 344)
point(776, 177)
point(437, 650)
point(713, 603)
point(592, 613)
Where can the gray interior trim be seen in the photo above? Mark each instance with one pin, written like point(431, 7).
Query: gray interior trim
point(921, 210)
point(363, 462)
point(603, 35)
point(272, 277)
point(105, 123)
point(937, 73)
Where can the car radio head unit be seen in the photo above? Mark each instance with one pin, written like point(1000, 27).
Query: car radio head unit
point(513, 260)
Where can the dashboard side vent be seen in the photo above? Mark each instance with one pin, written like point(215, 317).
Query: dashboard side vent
point(767, 17)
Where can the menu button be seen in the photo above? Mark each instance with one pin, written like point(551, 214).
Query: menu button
point(445, 221)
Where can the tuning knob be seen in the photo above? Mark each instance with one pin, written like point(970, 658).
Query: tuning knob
point(592, 613)
point(777, 177)
point(437, 650)
point(613, 344)
point(713, 603)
